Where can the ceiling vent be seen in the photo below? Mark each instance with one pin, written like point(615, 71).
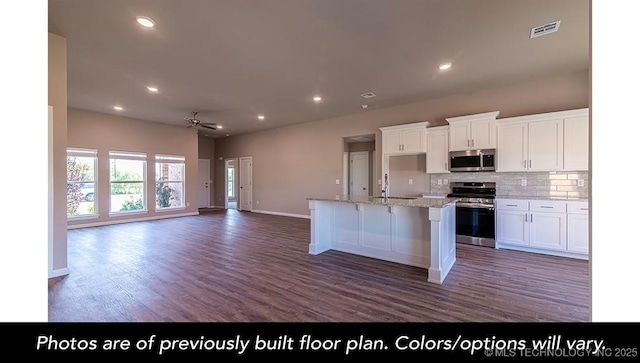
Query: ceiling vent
point(368, 95)
point(544, 29)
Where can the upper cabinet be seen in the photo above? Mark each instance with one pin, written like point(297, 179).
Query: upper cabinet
point(404, 139)
point(437, 150)
point(544, 142)
point(473, 131)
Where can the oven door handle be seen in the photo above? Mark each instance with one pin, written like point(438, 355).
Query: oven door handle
point(475, 205)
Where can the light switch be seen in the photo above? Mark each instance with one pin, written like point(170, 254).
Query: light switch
point(410, 181)
point(446, 181)
point(580, 182)
point(379, 181)
point(523, 182)
point(337, 181)
point(439, 181)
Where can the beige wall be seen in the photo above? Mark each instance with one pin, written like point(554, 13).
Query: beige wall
point(104, 132)
point(403, 169)
point(206, 150)
point(295, 162)
point(58, 150)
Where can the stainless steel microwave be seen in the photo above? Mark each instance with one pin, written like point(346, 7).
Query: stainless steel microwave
point(472, 160)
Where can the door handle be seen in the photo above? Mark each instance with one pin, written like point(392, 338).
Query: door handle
point(472, 142)
point(468, 143)
point(525, 217)
point(531, 217)
point(364, 188)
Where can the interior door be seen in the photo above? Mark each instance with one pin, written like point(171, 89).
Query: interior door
point(359, 173)
point(245, 183)
point(204, 192)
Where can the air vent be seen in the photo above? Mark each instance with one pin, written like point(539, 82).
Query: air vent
point(545, 29)
point(368, 95)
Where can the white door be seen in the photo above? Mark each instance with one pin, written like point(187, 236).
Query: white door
point(578, 233)
point(483, 134)
point(245, 184)
point(359, 173)
point(576, 143)
point(392, 141)
point(548, 230)
point(460, 136)
point(438, 151)
point(512, 227)
point(512, 147)
point(545, 145)
point(413, 140)
point(204, 192)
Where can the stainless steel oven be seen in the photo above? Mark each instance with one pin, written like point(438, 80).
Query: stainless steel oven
point(475, 213)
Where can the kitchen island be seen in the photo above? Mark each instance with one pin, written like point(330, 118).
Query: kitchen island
point(417, 231)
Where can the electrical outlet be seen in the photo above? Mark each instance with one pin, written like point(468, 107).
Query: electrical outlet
point(580, 182)
point(439, 181)
point(337, 181)
point(337, 197)
point(257, 202)
point(410, 181)
point(379, 181)
point(523, 182)
point(446, 181)
point(188, 204)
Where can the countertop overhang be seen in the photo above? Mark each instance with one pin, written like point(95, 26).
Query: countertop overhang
point(391, 201)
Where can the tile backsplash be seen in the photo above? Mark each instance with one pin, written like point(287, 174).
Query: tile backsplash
point(538, 184)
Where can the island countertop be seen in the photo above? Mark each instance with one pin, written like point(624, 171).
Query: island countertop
point(391, 201)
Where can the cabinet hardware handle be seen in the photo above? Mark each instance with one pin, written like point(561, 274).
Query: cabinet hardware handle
point(525, 217)
point(468, 142)
point(545, 206)
point(584, 208)
point(529, 163)
point(472, 142)
point(531, 217)
point(525, 164)
point(446, 166)
point(512, 205)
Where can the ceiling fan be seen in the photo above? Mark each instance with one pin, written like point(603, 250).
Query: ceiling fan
point(194, 122)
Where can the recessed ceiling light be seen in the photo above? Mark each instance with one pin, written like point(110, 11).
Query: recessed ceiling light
point(152, 89)
point(219, 126)
point(260, 117)
point(364, 106)
point(317, 98)
point(119, 108)
point(206, 134)
point(444, 66)
point(145, 22)
point(227, 135)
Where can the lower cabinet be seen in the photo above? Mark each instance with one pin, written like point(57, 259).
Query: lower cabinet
point(544, 226)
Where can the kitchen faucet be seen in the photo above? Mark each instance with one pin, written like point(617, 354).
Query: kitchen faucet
point(385, 191)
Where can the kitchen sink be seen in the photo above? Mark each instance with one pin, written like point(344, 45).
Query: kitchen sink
point(408, 198)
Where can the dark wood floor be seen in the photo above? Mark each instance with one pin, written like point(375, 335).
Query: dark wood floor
point(237, 266)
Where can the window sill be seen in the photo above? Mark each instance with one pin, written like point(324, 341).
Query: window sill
point(169, 209)
point(128, 213)
point(83, 217)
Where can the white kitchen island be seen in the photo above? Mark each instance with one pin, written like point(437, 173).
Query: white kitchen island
point(418, 232)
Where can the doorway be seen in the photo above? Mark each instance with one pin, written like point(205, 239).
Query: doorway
point(204, 183)
point(246, 188)
point(231, 186)
point(359, 165)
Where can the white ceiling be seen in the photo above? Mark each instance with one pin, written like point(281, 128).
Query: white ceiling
point(231, 60)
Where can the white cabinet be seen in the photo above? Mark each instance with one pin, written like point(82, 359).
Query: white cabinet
point(545, 142)
point(578, 227)
point(404, 139)
point(576, 143)
point(534, 146)
point(543, 226)
point(437, 150)
point(473, 131)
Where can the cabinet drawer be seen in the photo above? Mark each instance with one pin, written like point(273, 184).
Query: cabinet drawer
point(578, 207)
point(512, 204)
point(553, 206)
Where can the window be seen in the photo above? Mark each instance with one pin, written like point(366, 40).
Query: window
point(230, 188)
point(81, 182)
point(169, 181)
point(127, 178)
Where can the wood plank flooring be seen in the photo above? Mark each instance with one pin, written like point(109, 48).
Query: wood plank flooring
point(231, 266)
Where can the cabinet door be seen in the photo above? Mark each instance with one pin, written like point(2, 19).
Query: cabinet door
point(512, 227)
point(545, 145)
point(392, 140)
point(413, 140)
point(483, 134)
point(548, 230)
point(576, 143)
point(438, 152)
point(578, 233)
point(512, 147)
point(460, 136)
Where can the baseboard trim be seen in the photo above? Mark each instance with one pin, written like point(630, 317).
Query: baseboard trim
point(58, 272)
point(218, 206)
point(107, 223)
point(282, 214)
point(542, 251)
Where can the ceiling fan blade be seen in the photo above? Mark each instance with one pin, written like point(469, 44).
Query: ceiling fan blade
point(210, 126)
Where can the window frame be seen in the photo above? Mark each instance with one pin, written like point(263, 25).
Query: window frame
point(85, 153)
point(170, 159)
point(135, 156)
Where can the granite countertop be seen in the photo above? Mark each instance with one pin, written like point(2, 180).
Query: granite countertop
point(417, 202)
point(562, 199)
